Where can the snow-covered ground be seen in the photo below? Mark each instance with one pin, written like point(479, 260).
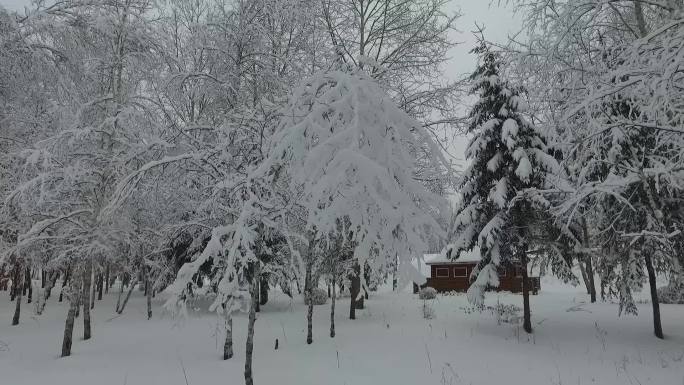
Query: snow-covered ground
point(389, 343)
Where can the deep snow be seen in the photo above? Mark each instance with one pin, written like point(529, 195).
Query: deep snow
point(390, 343)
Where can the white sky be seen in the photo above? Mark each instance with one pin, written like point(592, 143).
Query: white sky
point(498, 21)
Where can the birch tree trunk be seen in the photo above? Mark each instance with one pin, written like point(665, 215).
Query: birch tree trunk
point(228, 343)
point(657, 326)
point(87, 277)
point(128, 296)
point(64, 283)
point(249, 349)
point(69, 325)
point(42, 299)
point(585, 277)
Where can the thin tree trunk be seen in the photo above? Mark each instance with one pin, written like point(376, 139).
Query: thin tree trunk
point(228, 343)
point(87, 277)
point(309, 322)
point(93, 284)
point(249, 348)
point(17, 309)
point(15, 283)
point(308, 287)
point(128, 295)
point(148, 285)
point(43, 278)
point(100, 284)
point(592, 284)
point(29, 285)
point(657, 326)
point(23, 283)
point(69, 325)
point(527, 323)
point(332, 310)
point(106, 279)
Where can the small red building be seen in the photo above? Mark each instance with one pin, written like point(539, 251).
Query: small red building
point(447, 275)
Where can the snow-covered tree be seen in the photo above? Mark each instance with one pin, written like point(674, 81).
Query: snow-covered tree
point(508, 161)
point(349, 152)
point(604, 78)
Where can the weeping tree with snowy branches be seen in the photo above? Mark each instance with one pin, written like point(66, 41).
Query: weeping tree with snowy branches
point(509, 161)
point(350, 153)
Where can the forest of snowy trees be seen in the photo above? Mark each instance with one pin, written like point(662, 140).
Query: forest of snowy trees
point(221, 149)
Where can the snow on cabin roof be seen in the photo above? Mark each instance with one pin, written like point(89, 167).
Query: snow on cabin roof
point(429, 259)
point(465, 256)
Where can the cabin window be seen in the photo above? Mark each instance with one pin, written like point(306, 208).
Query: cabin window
point(442, 272)
point(502, 272)
point(460, 271)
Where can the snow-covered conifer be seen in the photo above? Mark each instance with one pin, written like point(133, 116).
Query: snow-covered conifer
point(508, 160)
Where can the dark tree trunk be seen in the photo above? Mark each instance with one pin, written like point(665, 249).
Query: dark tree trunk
point(43, 278)
point(228, 343)
point(527, 323)
point(657, 327)
point(28, 285)
point(69, 326)
point(308, 293)
point(148, 291)
point(249, 346)
point(16, 285)
point(263, 291)
point(592, 284)
point(354, 289)
point(309, 322)
point(17, 309)
point(332, 310)
point(100, 286)
point(87, 278)
point(106, 279)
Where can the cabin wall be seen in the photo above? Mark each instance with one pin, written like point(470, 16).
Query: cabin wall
point(456, 277)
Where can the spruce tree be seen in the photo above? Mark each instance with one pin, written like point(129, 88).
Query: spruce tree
point(507, 162)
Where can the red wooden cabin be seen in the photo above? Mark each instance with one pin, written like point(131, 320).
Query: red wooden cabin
point(446, 275)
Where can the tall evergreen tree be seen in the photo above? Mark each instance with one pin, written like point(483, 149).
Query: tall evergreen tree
point(508, 161)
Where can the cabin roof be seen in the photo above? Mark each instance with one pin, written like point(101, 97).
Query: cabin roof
point(423, 265)
point(471, 256)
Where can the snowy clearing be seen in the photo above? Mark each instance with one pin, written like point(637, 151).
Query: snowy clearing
point(574, 342)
